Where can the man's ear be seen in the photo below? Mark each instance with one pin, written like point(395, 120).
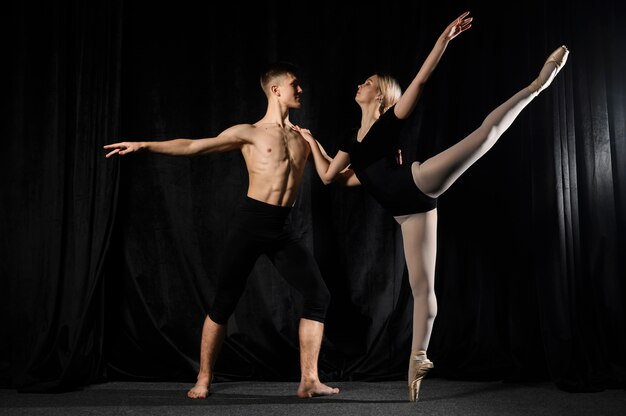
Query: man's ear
point(275, 90)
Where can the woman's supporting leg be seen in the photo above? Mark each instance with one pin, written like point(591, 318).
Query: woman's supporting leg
point(419, 235)
point(438, 173)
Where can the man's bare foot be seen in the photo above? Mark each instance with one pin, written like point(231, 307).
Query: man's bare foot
point(200, 390)
point(314, 389)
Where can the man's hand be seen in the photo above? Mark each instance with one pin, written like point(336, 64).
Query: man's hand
point(123, 148)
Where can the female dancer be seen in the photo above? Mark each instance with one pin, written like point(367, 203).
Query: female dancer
point(410, 191)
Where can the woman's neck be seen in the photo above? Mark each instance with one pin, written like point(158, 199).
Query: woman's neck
point(369, 116)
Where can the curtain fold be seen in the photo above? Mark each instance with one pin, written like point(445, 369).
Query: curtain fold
point(61, 195)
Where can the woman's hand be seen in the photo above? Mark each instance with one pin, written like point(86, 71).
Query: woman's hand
point(458, 26)
point(305, 133)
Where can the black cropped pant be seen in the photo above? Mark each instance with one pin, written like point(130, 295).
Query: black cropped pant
point(259, 228)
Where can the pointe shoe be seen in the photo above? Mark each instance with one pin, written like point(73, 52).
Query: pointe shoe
point(423, 365)
point(551, 67)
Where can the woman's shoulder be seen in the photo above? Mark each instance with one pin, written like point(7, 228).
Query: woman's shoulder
point(348, 139)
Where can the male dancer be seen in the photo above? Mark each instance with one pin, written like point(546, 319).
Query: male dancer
point(275, 156)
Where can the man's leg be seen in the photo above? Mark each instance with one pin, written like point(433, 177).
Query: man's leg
point(212, 337)
point(311, 333)
point(298, 267)
point(240, 252)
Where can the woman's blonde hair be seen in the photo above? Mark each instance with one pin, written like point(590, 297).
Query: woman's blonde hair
point(390, 90)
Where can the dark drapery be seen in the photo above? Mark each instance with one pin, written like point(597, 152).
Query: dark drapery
point(59, 195)
point(106, 281)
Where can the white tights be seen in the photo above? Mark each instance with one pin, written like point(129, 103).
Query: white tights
point(419, 231)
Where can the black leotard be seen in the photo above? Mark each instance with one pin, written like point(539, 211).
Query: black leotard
point(374, 163)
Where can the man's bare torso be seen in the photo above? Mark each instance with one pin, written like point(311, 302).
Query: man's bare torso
point(275, 157)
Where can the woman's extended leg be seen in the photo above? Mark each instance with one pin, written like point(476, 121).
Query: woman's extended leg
point(438, 173)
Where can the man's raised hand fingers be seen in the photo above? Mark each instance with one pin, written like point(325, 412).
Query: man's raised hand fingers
point(114, 151)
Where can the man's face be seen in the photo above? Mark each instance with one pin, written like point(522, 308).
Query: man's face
point(290, 91)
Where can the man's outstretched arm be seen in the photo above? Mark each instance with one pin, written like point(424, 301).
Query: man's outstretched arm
point(230, 139)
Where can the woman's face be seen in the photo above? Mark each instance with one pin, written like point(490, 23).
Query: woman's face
point(368, 91)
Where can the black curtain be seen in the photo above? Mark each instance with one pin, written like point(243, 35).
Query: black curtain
point(107, 264)
point(59, 196)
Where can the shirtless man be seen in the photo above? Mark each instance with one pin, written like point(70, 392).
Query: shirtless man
point(275, 156)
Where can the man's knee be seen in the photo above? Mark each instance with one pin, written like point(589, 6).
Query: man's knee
point(219, 317)
point(316, 304)
point(223, 306)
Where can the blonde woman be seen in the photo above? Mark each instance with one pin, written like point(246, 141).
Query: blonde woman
point(410, 191)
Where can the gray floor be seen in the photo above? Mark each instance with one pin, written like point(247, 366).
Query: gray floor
point(438, 397)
